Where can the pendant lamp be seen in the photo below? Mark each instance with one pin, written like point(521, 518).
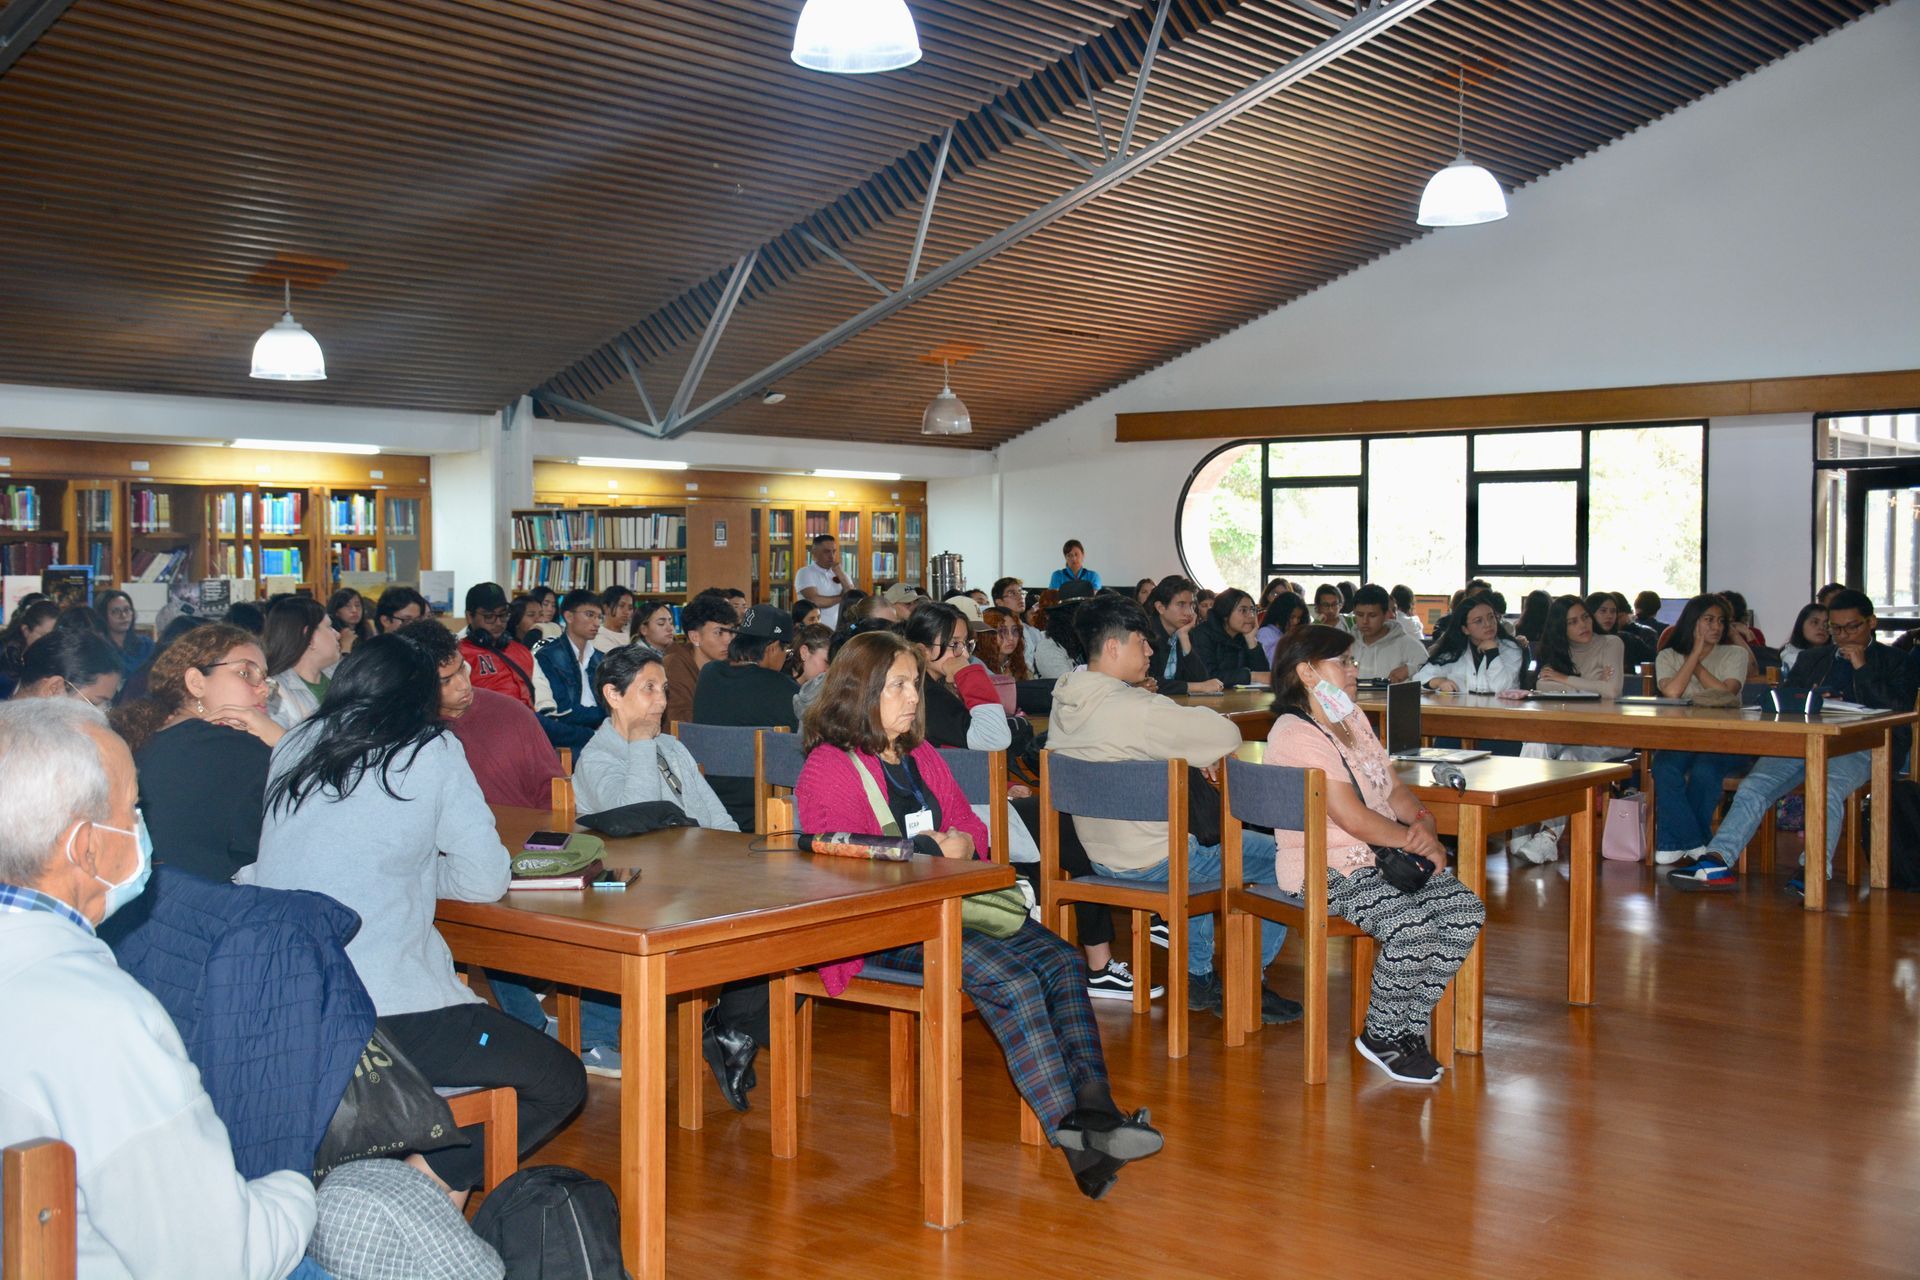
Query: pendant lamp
point(855, 37)
point(287, 352)
point(1462, 194)
point(946, 415)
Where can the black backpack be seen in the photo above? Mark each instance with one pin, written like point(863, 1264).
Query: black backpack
point(553, 1223)
point(1903, 855)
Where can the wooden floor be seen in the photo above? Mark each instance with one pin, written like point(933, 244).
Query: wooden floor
point(1743, 1101)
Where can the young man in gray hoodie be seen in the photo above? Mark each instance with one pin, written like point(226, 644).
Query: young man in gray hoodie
point(1102, 713)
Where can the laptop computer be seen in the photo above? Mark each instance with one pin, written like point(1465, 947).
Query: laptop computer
point(1403, 730)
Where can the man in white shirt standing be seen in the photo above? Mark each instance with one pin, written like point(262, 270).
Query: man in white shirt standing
point(1382, 648)
point(821, 580)
point(91, 1058)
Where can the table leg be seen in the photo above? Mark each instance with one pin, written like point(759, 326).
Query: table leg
point(1580, 899)
point(1814, 873)
point(1882, 795)
point(643, 1115)
point(940, 1072)
point(1472, 870)
point(784, 1087)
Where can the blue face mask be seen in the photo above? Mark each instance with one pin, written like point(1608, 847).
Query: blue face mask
point(119, 895)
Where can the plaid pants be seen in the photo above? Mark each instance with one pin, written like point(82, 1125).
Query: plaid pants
point(1031, 991)
point(1424, 937)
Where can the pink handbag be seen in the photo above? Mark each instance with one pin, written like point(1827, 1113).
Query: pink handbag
point(1625, 828)
point(1009, 689)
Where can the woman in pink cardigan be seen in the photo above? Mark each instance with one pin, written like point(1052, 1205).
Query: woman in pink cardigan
point(1030, 989)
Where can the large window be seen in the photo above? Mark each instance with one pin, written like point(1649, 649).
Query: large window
point(1566, 509)
point(1867, 507)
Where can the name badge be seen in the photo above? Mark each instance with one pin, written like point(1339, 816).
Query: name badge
point(919, 823)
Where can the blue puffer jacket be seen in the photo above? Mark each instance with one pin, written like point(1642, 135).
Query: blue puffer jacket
point(259, 985)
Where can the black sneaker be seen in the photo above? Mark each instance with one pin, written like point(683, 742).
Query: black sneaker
point(1204, 993)
point(1157, 930)
point(1277, 1010)
point(1405, 1059)
point(1115, 982)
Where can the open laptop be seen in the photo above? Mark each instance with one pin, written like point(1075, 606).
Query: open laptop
point(1403, 730)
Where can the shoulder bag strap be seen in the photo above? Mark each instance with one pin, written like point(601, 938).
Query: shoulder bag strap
point(881, 813)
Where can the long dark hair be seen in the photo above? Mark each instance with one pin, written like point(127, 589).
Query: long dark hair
point(384, 700)
point(290, 626)
point(1453, 640)
point(1225, 603)
point(1680, 639)
point(931, 624)
point(1311, 643)
point(1553, 648)
point(105, 598)
point(1621, 617)
point(76, 656)
point(363, 629)
point(1533, 614)
point(1061, 631)
point(1798, 636)
point(517, 630)
point(25, 619)
point(1280, 613)
point(1162, 595)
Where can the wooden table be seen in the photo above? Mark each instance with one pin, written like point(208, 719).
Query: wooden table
point(706, 912)
point(1504, 792)
point(1248, 708)
point(1732, 730)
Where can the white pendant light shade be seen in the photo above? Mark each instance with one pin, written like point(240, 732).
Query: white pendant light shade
point(946, 415)
point(1461, 195)
point(287, 352)
point(855, 37)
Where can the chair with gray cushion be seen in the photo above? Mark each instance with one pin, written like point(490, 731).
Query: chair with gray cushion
point(1134, 791)
point(727, 751)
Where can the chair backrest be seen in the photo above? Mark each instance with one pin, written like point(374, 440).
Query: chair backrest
point(563, 803)
point(781, 759)
point(780, 817)
point(982, 776)
point(1267, 795)
point(721, 750)
point(38, 1229)
point(1131, 790)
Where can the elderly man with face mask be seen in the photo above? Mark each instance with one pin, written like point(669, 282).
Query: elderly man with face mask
point(92, 1059)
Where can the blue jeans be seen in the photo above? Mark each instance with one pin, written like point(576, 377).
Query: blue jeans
point(1257, 866)
point(1770, 781)
point(1686, 792)
point(309, 1270)
point(599, 1014)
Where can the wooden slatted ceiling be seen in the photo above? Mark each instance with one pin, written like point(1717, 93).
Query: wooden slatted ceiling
point(512, 184)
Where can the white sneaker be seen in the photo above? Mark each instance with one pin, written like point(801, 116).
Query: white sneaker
point(1540, 848)
point(1667, 857)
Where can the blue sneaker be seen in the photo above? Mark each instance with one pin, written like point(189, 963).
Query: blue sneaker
point(602, 1062)
point(1797, 887)
point(1708, 873)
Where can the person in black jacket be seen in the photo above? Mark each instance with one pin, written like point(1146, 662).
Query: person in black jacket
point(748, 689)
point(1175, 668)
point(1224, 640)
point(1856, 668)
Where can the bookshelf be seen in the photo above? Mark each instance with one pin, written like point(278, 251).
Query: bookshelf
point(141, 513)
point(641, 548)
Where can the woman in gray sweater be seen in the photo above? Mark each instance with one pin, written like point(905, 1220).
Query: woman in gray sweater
point(371, 802)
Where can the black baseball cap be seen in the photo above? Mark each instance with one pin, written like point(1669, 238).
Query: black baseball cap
point(1076, 589)
point(763, 621)
point(485, 595)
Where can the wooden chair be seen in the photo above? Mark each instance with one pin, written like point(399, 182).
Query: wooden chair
point(497, 1112)
point(1137, 791)
point(566, 759)
point(39, 1228)
point(982, 775)
point(1288, 799)
point(725, 751)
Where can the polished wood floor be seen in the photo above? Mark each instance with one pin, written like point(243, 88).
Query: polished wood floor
point(1744, 1100)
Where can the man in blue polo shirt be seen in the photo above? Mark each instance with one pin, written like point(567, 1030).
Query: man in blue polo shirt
point(1075, 571)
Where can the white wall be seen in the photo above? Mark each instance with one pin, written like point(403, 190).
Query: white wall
point(1760, 514)
point(1763, 231)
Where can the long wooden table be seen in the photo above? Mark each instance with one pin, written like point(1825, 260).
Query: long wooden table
point(1504, 792)
point(1732, 730)
point(705, 912)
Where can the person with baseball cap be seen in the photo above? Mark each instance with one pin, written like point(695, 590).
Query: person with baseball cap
point(750, 688)
point(497, 662)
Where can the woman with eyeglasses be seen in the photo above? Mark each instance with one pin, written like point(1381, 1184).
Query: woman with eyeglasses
point(302, 648)
point(71, 664)
point(963, 707)
point(1225, 640)
point(1476, 653)
point(201, 742)
point(116, 610)
point(372, 802)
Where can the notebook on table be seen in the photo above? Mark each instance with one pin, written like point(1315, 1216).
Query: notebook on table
point(1648, 700)
point(1403, 730)
point(1562, 695)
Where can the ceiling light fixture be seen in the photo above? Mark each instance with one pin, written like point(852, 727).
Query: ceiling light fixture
point(855, 37)
point(646, 464)
point(306, 446)
point(773, 397)
point(946, 415)
point(287, 352)
point(1462, 194)
point(837, 474)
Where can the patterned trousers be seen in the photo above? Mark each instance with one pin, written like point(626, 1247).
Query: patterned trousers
point(1424, 937)
point(1031, 990)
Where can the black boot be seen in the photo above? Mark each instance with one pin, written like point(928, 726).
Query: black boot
point(730, 1052)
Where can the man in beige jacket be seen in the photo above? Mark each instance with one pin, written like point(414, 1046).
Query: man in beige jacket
point(1102, 713)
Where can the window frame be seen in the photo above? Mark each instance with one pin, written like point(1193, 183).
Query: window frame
point(1581, 477)
point(1820, 520)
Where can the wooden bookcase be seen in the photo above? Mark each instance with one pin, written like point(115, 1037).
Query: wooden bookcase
point(134, 511)
point(743, 528)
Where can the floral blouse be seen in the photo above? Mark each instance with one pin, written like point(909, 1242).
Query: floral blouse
point(1302, 744)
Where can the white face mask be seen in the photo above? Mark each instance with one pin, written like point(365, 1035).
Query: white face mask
point(1333, 700)
point(120, 894)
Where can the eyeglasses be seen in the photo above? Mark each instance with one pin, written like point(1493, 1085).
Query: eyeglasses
point(1345, 660)
point(252, 672)
point(490, 615)
point(1858, 626)
point(957, 646)
point(101, 704)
